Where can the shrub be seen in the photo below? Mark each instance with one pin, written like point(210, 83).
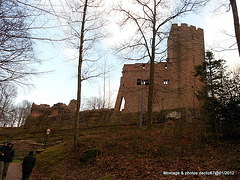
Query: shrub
point(90, 155)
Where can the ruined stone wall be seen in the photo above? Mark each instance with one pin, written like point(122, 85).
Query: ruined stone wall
point(62, 117)
point(43, 116)
point(174, 83)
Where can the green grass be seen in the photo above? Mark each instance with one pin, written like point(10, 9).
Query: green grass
point(53, 158)
point(17, 161)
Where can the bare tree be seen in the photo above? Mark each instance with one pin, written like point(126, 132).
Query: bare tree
point(150, 18)
point(103, 94)
point(16, 48)
point(7, 96)
point(93, 103)
point(82, 23)
point(23, 110)
point(22, 24)
point(12, 116)
point(87, 41)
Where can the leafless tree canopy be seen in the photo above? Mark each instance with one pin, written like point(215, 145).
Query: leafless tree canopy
point(8, 94)
point(151, 20)
point(81, 20)
point(94, 103)
point(21, 111)
point(232, 43)
point(16, 51)
point(12, 115)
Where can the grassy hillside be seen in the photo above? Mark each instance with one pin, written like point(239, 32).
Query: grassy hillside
point(125, 152)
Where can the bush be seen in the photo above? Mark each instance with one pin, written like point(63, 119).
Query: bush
point(90, 155)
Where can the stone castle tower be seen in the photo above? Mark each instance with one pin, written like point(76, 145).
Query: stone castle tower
point(175, 84)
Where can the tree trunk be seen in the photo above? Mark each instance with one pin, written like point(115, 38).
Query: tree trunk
point(236, 23)
point(80, 60)
point(152, 59)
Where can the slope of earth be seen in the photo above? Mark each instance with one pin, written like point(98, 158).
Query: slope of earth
point(125, 152)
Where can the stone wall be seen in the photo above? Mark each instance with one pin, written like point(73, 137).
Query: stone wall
point(175, 85)
point(43, 116)
point(61, 117)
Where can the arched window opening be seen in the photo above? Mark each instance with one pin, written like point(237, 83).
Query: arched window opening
point(122, 104)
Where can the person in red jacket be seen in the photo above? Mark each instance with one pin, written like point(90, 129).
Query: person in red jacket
point(27, 165)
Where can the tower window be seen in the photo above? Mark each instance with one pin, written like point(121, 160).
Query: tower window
point(166, 81)
point(165, 66)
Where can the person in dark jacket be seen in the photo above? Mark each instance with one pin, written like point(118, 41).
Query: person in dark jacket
point(4, 146)
point(27, 165)
point(8, 158)
point(2, 158)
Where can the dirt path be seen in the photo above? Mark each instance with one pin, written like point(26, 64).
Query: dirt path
point(14, 172)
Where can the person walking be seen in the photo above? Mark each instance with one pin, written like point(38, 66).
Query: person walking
point(2, 158)
point(27, 165)
point(8, 156)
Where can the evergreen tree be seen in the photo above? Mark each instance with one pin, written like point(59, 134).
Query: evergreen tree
point(220, 98)
point(211, 74)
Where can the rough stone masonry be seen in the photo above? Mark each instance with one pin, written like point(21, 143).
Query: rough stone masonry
point(175, 85)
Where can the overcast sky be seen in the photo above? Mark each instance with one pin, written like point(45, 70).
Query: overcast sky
point(60, 85)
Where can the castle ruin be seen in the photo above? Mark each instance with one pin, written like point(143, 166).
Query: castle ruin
point(175, 85)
